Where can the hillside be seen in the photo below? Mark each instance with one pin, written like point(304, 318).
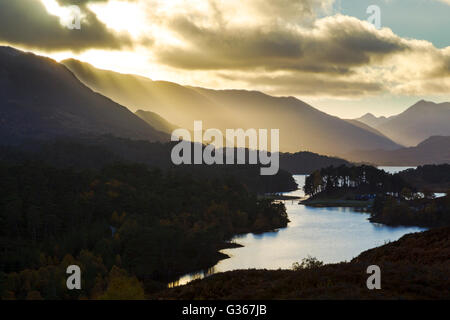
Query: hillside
point(156, 121)
point(364, 126)
point(307, 162)
point(40, 99)
point(302, 127)
point(96, 152)
point(434, 150)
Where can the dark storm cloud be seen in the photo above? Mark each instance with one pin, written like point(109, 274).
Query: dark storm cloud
point(27, 23)
point(333, 47)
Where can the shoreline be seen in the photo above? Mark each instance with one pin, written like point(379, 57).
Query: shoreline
point(218, 256)
point(405, 276)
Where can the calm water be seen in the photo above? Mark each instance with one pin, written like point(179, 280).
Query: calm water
point(394, 170)
point(329, 234)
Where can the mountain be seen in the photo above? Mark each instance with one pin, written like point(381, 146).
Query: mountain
point(365, 127)
point(40, 99)
point(434, 150)
point(302, 127)
point(372, 121)
point(419, 122)
point(156, 121)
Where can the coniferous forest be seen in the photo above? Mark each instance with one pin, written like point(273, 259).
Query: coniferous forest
point(129, 227)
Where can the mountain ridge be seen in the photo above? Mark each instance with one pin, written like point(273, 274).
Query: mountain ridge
point(371, 120)
point(434, 150)
point(417, 123)
point(41, 98)
point(302, 127)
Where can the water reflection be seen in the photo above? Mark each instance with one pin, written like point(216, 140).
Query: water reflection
point(394, 170)
point(191, 277)
point(329, 234)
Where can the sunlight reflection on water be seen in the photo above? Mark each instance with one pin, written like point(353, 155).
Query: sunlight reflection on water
point(329, 234)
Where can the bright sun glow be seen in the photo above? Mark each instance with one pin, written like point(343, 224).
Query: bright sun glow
point(65, 14)
point(122, 16)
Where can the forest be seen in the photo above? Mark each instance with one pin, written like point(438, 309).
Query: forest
point(95, 152)
point(411, 210)
point(434, 178)
point(357, 179)
point(130, 228)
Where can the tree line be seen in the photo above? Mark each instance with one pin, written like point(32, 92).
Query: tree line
point(362, 179)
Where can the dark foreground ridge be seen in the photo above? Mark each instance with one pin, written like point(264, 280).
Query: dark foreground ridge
point(414, 267)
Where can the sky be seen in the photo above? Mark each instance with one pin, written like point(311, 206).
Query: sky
point(323, 52)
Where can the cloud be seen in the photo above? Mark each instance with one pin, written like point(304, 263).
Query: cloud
point(288, 47)
point(293, 50)
point(27, 23)
point(332, 45)
point(445, 1)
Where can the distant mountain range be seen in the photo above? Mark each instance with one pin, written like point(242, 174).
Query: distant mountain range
point(302, 127)
point(40, 98)
point(434, 150)
point(372, 121)
point(58, 120)
point(419, 122)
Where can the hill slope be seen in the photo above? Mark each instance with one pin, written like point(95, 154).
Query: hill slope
point(40, 98)
point(307, 162)
point(156, 121)
point(302, 127)
point(365, 127)
point(434, 150)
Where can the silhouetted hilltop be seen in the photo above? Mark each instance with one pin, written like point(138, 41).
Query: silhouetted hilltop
point(371, 120)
